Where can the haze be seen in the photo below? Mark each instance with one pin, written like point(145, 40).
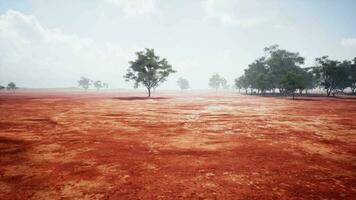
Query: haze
point(50, 44)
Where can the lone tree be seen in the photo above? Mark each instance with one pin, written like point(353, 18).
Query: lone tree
point(84, 82)
point(2, 87)
point(11, 86)
point(216, 81)
point(183, 83)
point(292, 81)
point(148, 70)
point(98, 84)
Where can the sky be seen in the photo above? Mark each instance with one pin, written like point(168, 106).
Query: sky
point(51, 44)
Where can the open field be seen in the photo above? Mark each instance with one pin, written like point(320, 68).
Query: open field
point(175, 146)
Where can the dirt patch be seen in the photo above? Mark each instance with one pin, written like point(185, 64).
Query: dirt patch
point(175, 146)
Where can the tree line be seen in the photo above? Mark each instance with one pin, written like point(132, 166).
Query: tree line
point(85, 83)
point(280, 72)
point(11, 87)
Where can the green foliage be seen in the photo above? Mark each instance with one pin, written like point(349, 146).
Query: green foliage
point(273, 71)
point(279, 62)
point(2, 87)
point(217, 81)
point(98, 84)
point(269, 72)
point(351, 71)
point(242, 82)
point(11, 86)
point(183, 83)
point(84, 83)
point(148, 70)
point(292, 81)
point(332, 74)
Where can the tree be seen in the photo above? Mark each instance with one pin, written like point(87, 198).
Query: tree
point(330, 74)
point(148, 70)
point(279, 62)
point(256, 70)
point(352, 76)
point(310, 81)
point(224, 84)
point(183, 83)
point(105, 85)
point(2, 87)
point(343, 75)
point(263, 83)
point(292, 81)
point(216, 81)
point(11, 86)
point(84, 83)
point(241, 82)
point(98, 84)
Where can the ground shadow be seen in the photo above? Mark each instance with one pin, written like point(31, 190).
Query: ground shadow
point(305, 99)
point(11, 146)
point(139, 98)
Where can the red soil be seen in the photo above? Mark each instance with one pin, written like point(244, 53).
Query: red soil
point(178, 146)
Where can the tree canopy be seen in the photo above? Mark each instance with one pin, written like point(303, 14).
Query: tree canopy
point(216, 81)
point(98, 84)
point(11, 86)
point(183, 83)
point(84, 83)
point(271, 72)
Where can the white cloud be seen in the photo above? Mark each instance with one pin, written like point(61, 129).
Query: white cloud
point(237, 12)
point(134, 8)
point(348, 42)
point(48, 57)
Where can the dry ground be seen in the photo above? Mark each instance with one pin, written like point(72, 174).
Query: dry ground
point(175, 146)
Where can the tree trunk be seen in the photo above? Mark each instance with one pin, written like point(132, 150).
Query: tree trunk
point(293, 95)
point(149, 92)
point(328, 91)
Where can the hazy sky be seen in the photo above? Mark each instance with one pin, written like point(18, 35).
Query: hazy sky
point(51, 43)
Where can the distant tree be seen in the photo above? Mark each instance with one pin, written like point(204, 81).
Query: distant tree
point(148, 70)
point(291, 82)
point(216, 81)
point(105, 85)
point(84, 83)
point(330, 74)
point(352, 76)
point(242, 82)
point(343, 74)
point(238, 83)
point(11, 86)
point(183, 83)
point(98, 84)
point(310, 80)
point(224, 84)
point(2, 87)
